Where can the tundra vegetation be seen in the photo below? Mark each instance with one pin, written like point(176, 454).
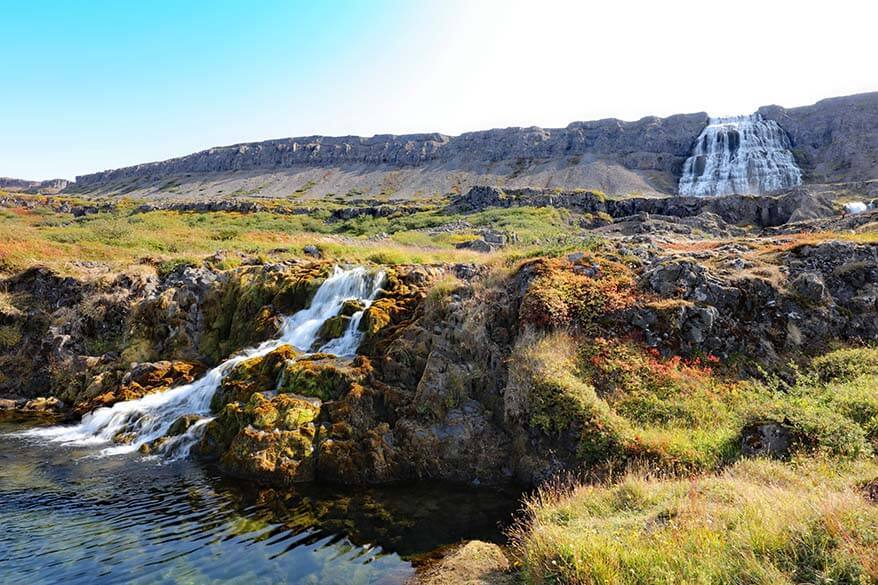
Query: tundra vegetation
point(697, 409)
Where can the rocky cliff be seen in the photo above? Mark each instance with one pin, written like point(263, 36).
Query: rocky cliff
point(834, 140)
point(49, 186)
point(610, 154)
point(450, 382)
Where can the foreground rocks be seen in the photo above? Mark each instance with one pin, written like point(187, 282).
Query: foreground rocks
point(444, 388)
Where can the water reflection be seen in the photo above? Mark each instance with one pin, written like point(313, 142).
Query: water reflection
point(69, 517)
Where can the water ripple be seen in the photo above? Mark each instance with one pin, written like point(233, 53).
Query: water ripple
point(75, 520)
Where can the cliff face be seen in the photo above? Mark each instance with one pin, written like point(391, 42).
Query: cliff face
point(834, 140)
point(648, 144)
point(608, 154)
point(49, 186)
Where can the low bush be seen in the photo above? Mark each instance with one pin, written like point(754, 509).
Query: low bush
point(846, 364)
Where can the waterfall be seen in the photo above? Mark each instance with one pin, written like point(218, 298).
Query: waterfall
point(740, 155)
point(149, 418)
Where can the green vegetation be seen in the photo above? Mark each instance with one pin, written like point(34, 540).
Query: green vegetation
point(804, 517)
point(167, 239)
point(757, 522)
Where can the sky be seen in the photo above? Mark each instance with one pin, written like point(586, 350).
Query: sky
point(93, 85)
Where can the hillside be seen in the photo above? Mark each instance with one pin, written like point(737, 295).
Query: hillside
point(834, 141)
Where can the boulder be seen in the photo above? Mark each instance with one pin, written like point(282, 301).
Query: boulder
point(810, 287)
point(277, 446)
point(769, 439)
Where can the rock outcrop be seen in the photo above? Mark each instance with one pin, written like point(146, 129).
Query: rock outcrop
point(758, 211)
point(834, 140)
point(649, 145)
point(50, 186)
point(446, 385)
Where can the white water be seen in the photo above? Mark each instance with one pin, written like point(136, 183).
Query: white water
point(855, 207)
point(740, 155)
point(148, 418)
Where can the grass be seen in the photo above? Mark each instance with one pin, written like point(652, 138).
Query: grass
point(10, 336)
point(118, 239)
point(122, 238)
point(683, 505)
point(758, 521)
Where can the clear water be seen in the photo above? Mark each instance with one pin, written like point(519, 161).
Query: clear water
point(742, 155)
point(70, 517)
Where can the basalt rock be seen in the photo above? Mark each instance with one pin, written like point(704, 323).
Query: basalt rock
point(735, 210)
point(818, 292)
point(767, 439)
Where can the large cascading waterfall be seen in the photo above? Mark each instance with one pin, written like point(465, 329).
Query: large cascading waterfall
point(738, 156)
point(149, 418)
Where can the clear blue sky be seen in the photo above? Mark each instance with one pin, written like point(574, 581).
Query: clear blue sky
point(91, 85)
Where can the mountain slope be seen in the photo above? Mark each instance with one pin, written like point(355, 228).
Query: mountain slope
point(835, 140)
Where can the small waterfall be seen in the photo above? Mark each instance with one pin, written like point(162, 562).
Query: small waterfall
point(740, 155)
point(149, 418)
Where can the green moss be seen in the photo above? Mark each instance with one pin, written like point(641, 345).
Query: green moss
point(10, 336)
point(332, 328)
point(377, 316)
point(318, 376)
point(557, 403)
point(245, 310)
point(284, 411)
point(350, 307)
point(257, 374)
point(814, 426)
point(138, 350)
point(219, 433)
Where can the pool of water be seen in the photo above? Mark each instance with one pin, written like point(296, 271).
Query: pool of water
point(67, 516)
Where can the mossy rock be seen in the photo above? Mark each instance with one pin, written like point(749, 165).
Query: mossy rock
point(182, 424)
point(257, 374)
point(219, 433)
point(319, 376)
point(379, 315)
point(332, 328)
point(248, 308)
point(350, 307)
point(177, 428)
point(268, 439)
point(284, 411)
point(809, 426)
point(278, 457)
point(263, 413)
